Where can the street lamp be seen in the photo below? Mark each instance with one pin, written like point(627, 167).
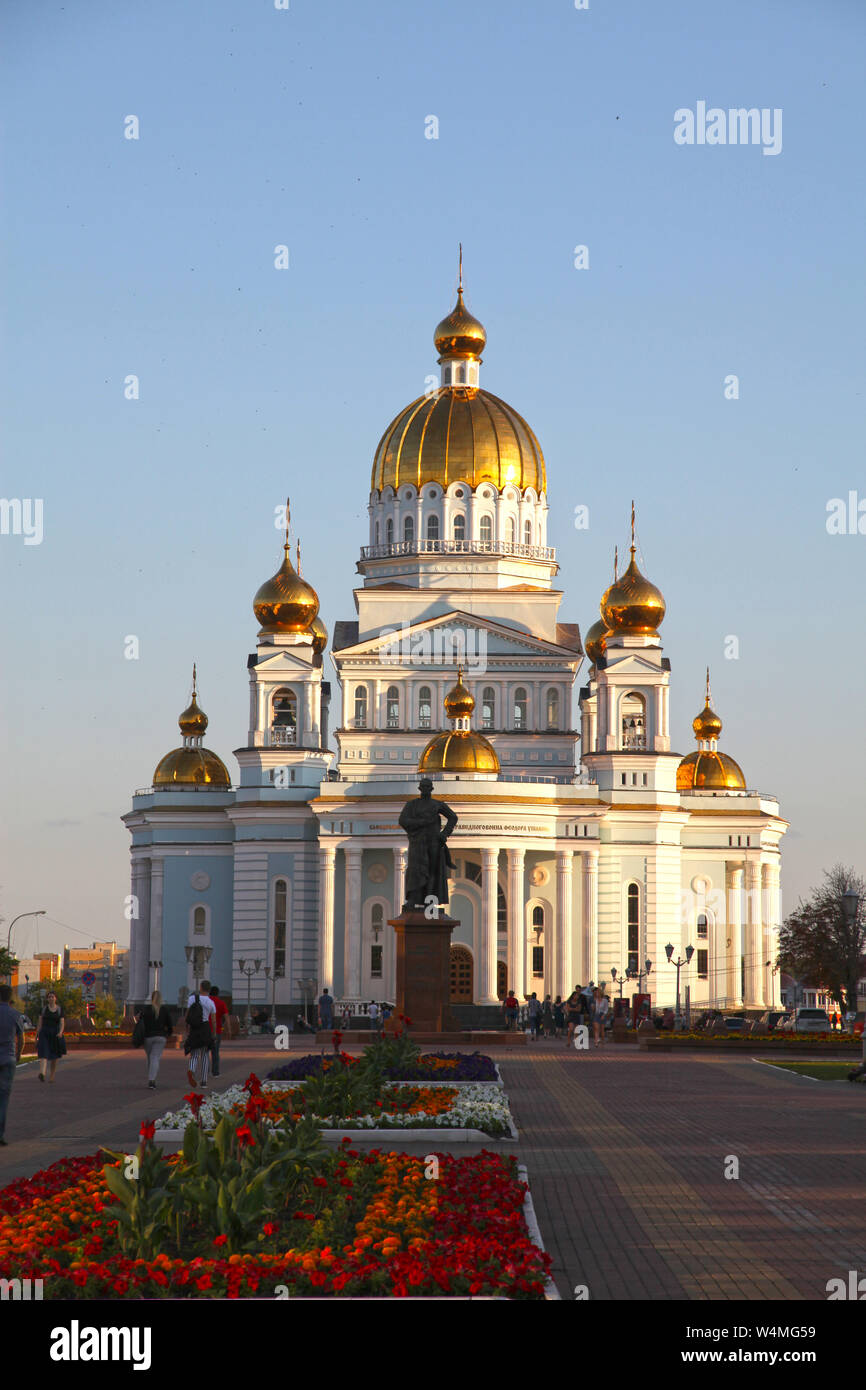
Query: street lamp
point(679, 962)
point(37, 912)
point(156, 966)
point(273, 996)
point(199, 956)
point(249, 971)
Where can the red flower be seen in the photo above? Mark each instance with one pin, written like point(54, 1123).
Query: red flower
point(321, 1182)
point(147, 1130)
point(195, 1103)
point(252, 1084)
point(221, 1240)
point(244, 1135)
point(270, 1228)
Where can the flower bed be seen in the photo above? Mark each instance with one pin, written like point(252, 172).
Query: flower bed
point(788, 1042)
point(431, 1066)
point(378, 1224)
point(479, 1106)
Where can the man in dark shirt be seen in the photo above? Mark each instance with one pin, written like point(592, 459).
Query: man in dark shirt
point(217, 1021)
point(11, 1042)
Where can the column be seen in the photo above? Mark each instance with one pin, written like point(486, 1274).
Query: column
point(754, 937)
point(516, 924)
point(769, 935)
point(735, 934)
point(400, 858)
point(488, 953)
point(352, 932)
point(139, 930)
point(588, 964)
point(327, 856)
point(157, 870)
point(563, 983)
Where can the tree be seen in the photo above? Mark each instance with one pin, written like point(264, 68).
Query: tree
point(817, 943)
point(8, 963)
point(106, 1009)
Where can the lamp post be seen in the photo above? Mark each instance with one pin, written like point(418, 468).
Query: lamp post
point(307, 987)
point(273, 980)
point(199, 956)
point(618, 978)
point(156, 966)
point(34, 912)
point(249, 971)
point(679, 962)
point(850, 907)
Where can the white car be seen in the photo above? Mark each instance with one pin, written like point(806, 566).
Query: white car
point(805, 1021)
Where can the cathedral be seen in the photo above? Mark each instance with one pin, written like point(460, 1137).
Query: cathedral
point(585, 844)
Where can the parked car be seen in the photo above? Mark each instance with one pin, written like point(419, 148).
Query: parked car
point(771, 1020)
point(735, 1025)
point(805, 1021)
point(707, 1018)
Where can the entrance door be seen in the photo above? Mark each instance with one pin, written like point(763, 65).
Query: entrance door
point(501, 979)
point(461, 975)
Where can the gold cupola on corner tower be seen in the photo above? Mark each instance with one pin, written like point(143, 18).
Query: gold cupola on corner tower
point(192, 764)
point(286, 602)
point(707, 769)
point(633, 605)
point(460, 749)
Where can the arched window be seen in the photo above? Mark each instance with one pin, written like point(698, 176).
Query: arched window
point(409, 529)
point(486, 530)
point(633, 722)
point(360, 706)
point(389, 531)
point(512, 530)
point(284, 729)
point(553, 709)
point(703, 926)
point(527, 533)
point(460, 527)
point(377, 922)
point(633, 918)
point(537, 917)
point(392, 708)
point(424, 706)
point(538, 949)
point(488, 707)
point(281, 893)
point(520, 704)
point(432, 528)
point(199, 920)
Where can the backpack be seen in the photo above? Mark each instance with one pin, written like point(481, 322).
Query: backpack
point(195, 1013)
point(138, 1032)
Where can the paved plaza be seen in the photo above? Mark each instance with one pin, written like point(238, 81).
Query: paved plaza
point(626, 1155)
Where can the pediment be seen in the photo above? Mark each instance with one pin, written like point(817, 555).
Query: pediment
point(452, 634)
point(631, 664)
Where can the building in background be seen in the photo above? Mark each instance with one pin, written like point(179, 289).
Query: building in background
point(107, 961)
point(41, 969)
point(459, 667)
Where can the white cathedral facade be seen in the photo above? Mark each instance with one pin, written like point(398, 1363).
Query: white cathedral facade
point(584, 844)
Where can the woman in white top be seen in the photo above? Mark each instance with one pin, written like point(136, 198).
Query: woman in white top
point(600, 1010)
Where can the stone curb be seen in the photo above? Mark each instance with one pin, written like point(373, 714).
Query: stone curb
point(551, 1292)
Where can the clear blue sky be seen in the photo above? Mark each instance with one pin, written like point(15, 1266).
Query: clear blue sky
point(306, 127)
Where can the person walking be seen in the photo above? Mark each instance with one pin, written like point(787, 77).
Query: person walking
point(326, 1010)
point(511, 1008)
point(11, 1043)
point(49, 1037)
point(157, 1029)
point(200, 1010)
point(533, 1013)
point(600, 1011)
point(547, 1016)
point(221, 1015)
point(375, 1018)
point(573, 1014)
point(558, 1017)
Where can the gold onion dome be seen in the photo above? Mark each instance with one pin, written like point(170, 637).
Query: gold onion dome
point(191, 765)
point(633, 604)
point(460, 335)
point(286, 602)
point(595, 641)
point(459, 702)
point(459, 434)
point(707, 769)
point(319, 634)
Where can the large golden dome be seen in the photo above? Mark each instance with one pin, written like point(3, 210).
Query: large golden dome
point(633, 604)
point(458, 750)
point(191, 766)
point(459, 433)
point(709, 770)
point(286, 602)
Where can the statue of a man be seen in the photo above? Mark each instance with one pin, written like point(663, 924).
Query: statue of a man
point(429, 859)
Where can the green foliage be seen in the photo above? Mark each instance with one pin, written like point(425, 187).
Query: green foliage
point(343, 1090)
point(8, 963)
point(817, 944)
point(106, 1009)
point(388, 1053)
point(144, 1206)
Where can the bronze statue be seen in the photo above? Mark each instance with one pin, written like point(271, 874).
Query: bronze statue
point(429, 859)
